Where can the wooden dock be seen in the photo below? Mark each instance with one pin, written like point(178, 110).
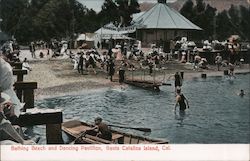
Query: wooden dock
point(32, 116)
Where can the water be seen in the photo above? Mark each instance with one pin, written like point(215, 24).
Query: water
point(216, 115)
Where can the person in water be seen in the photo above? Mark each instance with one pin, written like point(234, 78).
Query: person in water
point(231, 70)
point(103, 130)
point(242, 93)
point(177, 81)
point(181, 100)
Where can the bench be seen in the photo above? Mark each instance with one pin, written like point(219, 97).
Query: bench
point(118, 138)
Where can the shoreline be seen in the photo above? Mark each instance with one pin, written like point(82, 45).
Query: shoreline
point(56, 78)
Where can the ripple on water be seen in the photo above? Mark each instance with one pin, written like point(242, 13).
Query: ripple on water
point(216, 115)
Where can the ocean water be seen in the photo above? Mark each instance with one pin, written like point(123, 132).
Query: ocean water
point(217, 114)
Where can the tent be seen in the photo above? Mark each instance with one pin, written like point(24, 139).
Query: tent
point(111, 31)
point(86, 37)
point(86, 40)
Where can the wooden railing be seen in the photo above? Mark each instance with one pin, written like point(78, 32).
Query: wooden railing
point(25, 92)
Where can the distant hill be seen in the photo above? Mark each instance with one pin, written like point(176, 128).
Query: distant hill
point(220, 5)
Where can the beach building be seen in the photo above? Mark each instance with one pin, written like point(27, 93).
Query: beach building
point(160, 24)
point(109, 34)
point(86, 40)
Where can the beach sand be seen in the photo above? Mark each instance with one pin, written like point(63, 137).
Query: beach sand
point(56, 77)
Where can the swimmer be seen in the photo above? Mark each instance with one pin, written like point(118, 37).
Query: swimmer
point(181, 100)
point(231, 71)
point(242, 93)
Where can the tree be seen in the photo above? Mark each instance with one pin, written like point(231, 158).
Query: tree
point(188, 10)
point(126, 9)
point(119, 11)
point(202, 15)
point(244, 22)
point(11, 11)
point(223, 26)
point(210, 18)
point(109, 12)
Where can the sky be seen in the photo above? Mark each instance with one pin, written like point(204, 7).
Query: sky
point(97, 4)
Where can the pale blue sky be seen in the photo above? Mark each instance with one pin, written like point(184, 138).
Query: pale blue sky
point(97, 4)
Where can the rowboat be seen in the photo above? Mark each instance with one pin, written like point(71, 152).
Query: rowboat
point(75, 129)
point(144, 84)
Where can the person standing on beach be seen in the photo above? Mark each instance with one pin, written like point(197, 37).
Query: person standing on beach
point(181, 100)
point(92, 61)
point(111, 67)
point(32, 49)
point(150, 65)
point(122, 72)
point(218, 61)
point(80, 64)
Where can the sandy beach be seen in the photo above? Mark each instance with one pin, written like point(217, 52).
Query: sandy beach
point(56, 77)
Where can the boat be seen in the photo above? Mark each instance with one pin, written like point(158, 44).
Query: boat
point(76, 130)
point(144, 84)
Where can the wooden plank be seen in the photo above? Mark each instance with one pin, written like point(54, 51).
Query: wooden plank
point(54, 134)
point(16, 65)
point(25, 85)
point(28, 98)
point(95, 138)
point(19, 71)
point(25, 92)
point(26, 119)
point(51, 118)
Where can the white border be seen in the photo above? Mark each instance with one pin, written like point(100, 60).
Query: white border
point(210, 152)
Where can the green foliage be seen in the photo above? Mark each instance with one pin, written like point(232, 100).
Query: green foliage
point(119, 11)
point(30, 20)
point(188, 10)
point(218, 25)
point(223, 28)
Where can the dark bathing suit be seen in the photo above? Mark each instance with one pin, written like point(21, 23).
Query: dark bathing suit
point(182, 103)
point(177, 80)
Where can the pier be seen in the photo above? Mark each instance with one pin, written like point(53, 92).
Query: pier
point(32, 116)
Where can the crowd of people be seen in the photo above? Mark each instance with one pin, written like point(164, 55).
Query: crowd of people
point(112, 60)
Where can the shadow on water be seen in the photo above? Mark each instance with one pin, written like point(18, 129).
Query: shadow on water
point(216, 114)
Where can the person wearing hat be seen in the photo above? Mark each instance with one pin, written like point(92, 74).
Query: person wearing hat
point(102, 129)
point(8, 133)
point(181, 100)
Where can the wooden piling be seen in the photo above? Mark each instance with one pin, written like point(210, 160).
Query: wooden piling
point(19, 73)
point(52, 119)
point(54, 134)
point(16, 65)
point(25, 92)
point(182, 75)
point(203, 75)
point(225, 72)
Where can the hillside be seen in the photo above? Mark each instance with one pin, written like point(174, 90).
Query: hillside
point(220, 5)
